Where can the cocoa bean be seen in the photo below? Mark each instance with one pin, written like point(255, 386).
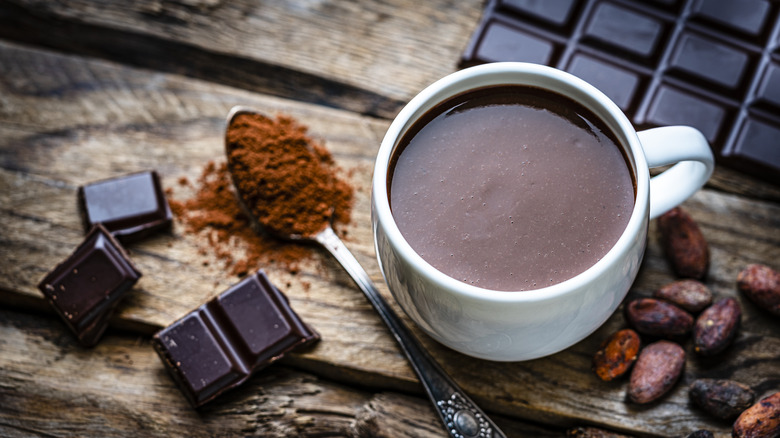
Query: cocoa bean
point(721, 398)
point(616, 354)
point(658, 318)
point(684, 244)
point(716, 327)
point(761, 284)
point(655, 372)
point(762, 420)
point(691, 295)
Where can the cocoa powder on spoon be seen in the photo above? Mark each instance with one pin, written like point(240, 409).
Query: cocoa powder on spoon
point(299, 168)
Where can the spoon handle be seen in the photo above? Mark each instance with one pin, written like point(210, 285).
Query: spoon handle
point(461, 416)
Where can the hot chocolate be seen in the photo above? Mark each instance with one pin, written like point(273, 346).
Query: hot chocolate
point(510, 188)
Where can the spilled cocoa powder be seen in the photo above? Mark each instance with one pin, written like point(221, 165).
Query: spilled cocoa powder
point(300, 178)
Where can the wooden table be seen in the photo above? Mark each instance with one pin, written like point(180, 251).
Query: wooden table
point(93, 89)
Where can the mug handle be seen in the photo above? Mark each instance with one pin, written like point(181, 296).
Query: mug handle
point(685, 146)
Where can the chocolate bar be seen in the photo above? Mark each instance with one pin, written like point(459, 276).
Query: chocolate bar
point(130, 206)
point(223, 342)
point(710, 64)
point(86, 287)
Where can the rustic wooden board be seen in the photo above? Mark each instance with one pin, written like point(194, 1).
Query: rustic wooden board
point(50, 386)
point(380, 52)
point(367, 57)
point(59, 112)
point(125, 123)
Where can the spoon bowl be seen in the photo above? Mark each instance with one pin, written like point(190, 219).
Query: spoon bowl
point(256, 222)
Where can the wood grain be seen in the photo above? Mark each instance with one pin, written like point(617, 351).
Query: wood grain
point(369, 57)
point(59, 112)
point(51, 386)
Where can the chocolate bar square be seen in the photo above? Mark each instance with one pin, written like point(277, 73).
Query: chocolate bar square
point(223, 342)
point(86, 287)
point(130, 206)
point(193, 351)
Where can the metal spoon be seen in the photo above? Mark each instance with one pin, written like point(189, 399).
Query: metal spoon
point(460, 415)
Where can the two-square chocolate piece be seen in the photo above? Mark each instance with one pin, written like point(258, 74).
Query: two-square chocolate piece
point(220, 344)
point(86, 287)
point(129, 206)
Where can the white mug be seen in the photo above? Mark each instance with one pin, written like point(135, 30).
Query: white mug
point(523, 325)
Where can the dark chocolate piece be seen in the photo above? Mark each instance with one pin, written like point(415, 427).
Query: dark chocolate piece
point(87, 286)
point(555, 12)
point(624, 30)
point(130, 206)
point(221, 343)
point(710, 64)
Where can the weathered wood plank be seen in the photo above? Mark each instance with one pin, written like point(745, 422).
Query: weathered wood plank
point(51, 386)
point(367, 57)
point(126, 120)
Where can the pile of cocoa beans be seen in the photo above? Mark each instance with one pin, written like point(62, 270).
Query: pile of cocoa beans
point(684, 308)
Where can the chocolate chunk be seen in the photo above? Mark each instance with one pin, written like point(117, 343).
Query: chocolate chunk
point(713, 64)
point(749, 17)
point(555, 12)
point(502, 41)
point(622, 29)
point(87, 286)
point(220, 344)
point(724, 65)
point(622, 83)
point(130, 206)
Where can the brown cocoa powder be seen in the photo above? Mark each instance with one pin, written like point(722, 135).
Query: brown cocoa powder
point(215, 214)
point(287, 180)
